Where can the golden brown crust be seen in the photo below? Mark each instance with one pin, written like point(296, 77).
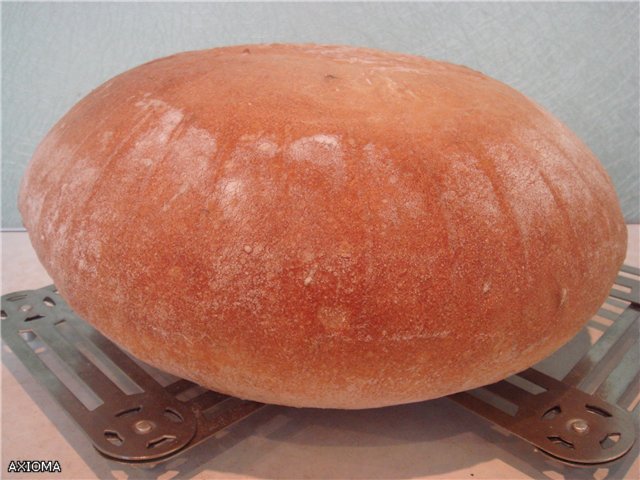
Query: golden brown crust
point(323, 226)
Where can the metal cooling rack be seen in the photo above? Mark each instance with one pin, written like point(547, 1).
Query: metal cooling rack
point(131, 412)
point(138, 415)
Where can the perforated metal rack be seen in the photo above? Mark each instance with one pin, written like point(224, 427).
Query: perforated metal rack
point(134, 414)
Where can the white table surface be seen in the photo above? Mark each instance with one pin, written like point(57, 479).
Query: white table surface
point(435, 439)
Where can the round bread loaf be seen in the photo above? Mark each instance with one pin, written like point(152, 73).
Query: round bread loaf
point(323, 226)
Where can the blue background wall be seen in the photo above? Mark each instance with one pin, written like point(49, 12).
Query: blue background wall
point(579, 60)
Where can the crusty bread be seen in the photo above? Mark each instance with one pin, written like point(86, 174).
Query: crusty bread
point(321, 225)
